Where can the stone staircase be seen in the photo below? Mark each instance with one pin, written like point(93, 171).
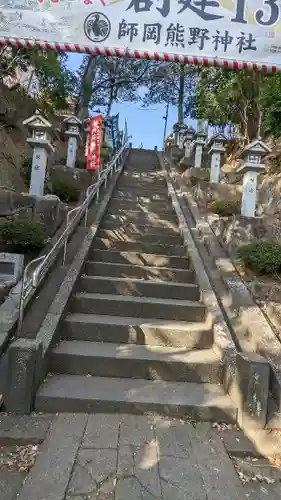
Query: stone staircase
point(136, 338)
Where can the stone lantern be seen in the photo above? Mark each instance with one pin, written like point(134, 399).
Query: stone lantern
point(200, 141)
point(177, 127)
point(71, 127)
point(188, 139)
point(216, 150)
point(251, 159)
point(40, 141)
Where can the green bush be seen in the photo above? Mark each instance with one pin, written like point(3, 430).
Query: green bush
point(68, 190)
point(225, 208)
point(24, 233)
point(261, 256)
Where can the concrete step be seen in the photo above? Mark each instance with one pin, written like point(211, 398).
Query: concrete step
point(150, 205)
point(139, 259)
point(101, 359)
point(139, 246)
point(137, 214)
point(128, 330)
point(139, 307)
point(143, 186)
point(147, 195)
point(82, 394)
point(139, 223)
point(139, 288)
point(139, 272)
point(131, 228)
point(123, 234)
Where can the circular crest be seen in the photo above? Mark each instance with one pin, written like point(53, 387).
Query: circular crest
point(97, 27)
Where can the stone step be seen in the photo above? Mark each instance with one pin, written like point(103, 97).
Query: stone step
point(139, 288)
point(135, 194)
point(152, 202)
point(101, 359)
point(123, 234)
point(128, 330)
point(139, 307)
point(145, 206)
point(132, 228)
point(82, 394)
point(139, 214)
point(137, 222)
point(139, 272)
point(142, 186)
point(139, 259)
point(138, 246)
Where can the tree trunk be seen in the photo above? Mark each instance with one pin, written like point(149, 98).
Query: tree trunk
point(111, 99)
point(82, 106)
point(181, 94)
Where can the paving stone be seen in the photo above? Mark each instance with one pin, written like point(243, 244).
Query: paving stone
point(94, 473)
point(140, 464)
point(49, 478)
point(181, 479)
point(24, 429)
point(102, 431)
point(10, 483)
point(131, 489)
point(136, 430)
point(173, 438)
point(216, 469)
point(138, 473)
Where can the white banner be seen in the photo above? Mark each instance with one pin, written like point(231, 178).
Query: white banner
point(243, 30)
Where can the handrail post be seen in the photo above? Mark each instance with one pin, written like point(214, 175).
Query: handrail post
point(21, 301)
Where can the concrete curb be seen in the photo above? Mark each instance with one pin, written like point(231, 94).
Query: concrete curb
point(20, 390)
point(223, 338)
point(247, 318)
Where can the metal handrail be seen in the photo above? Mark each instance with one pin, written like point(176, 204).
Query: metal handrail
point(30, 282)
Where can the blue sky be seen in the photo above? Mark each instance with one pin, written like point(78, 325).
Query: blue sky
point(146, 125)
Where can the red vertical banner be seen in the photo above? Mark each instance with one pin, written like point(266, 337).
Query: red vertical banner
point(94, 143)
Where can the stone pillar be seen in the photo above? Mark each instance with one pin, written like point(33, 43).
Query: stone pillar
point(71, 127)
point(216, 149)
point(38, 171)
point(200, 141)
point(251, 167)
point(198, 155)
point(188, 139)
point(249, 195)
point(40, 141)
point(71, 152)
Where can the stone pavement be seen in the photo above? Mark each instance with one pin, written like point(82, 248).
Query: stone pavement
point(125, 457)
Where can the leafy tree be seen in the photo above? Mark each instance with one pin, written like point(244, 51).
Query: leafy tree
point(170, 83)
point(107, 79)
point(54, 81)
point(272, 105)
point(230, 97)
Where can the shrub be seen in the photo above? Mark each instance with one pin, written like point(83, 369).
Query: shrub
point(68, 190)
point(261, 256)
point(24, 233)
point(225, 208)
